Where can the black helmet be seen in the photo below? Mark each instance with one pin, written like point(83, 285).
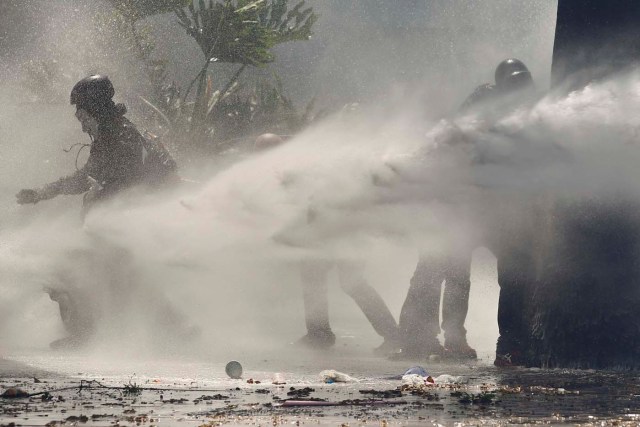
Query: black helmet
point(506, 68)
point(516, 81)
point(92, 90)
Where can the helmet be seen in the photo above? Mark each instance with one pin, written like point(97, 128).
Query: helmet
point(96, 89)
point(517, 81)
point(507, 68)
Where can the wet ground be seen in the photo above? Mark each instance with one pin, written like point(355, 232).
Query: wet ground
point(73, 389)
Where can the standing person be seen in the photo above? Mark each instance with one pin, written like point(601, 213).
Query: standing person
point(314, 277)
point(419, 318)
point(316, 305)
point(119, 158)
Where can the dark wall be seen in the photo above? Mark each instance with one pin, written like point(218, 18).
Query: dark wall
point(595, 38)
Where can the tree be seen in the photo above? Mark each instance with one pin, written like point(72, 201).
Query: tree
point(237, 32)
point(125, 24)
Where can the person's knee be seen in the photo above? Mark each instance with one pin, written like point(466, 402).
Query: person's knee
point(312, 271)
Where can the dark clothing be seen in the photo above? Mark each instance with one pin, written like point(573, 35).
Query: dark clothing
point(115, 163)
point(420, 315)
point(510, 236)
point(594, 39)
point(315, 295)
point(481, 95)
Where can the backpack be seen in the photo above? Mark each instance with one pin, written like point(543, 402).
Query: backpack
point(158, 164)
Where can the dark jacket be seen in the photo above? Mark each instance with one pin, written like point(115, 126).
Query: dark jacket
point(115, 163)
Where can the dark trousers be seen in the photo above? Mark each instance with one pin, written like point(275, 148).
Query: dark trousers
point(315, 295)
point(515, 275)
point(420, 315)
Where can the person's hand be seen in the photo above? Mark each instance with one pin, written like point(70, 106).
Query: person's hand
point(27, 196)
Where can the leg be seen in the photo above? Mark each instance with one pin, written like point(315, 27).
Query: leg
point(370, 302)
point(419, 318)
point(512, 278)
point(316, 304)
point(455, 306)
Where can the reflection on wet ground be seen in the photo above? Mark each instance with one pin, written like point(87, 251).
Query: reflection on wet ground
point(77, 390)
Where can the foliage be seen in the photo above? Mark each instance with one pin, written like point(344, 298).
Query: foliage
point(138, 9)
point(119, 34)
point(135, 37)
point(237, 32)
point(243, 31)
point(243, 113)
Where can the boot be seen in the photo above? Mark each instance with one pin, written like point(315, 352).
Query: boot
point(317, 340)
point(508, 353)
point(460, 349)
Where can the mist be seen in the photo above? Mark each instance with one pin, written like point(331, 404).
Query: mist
point(219, 261)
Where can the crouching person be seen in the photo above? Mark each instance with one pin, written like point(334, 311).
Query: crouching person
point(119, 158)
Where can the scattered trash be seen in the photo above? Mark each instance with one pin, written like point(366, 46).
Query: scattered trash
point(278, 379)
point(450, 379)
point(331, 376)
point(14, 393)
point(299, 393)
point(384, 394)
point(417, 370)
point(416, 376)
point(415, 380)
point(287, 403)
point(234, 370)
point(350, 402)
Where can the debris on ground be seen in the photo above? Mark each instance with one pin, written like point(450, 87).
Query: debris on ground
point(300, 392)
point(415, 380)
point(384, 394)
point(234, 370)
point(450, 379)
point(14, 393)
point(416, 370)
point(278, 379)
point(331, 376)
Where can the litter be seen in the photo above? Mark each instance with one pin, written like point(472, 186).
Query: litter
point(450, 379)
point(415, 380)
point(234, 370)
point(416, 376)
point(278, 379)
point(417, 370)
point(331, 376)
point(354, 402)
point(14, 393)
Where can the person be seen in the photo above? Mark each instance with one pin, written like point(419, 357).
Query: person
point(419, 319)
point(314, 278)
point(119, 158)
point(116, 151)
point(316, 306)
